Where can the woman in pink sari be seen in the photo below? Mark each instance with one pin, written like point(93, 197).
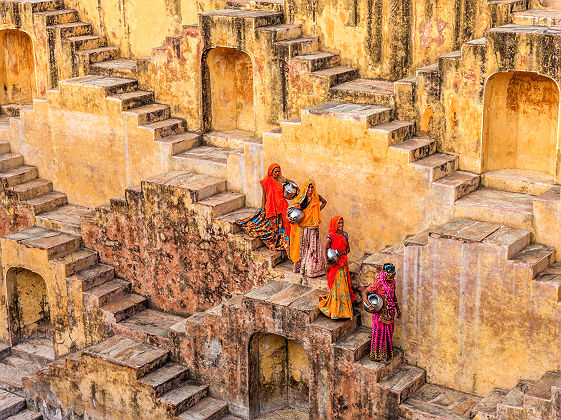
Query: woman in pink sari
point(381, 348)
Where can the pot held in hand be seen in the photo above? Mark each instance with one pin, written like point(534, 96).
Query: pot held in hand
point(333, 256)
point(375, 301)
point(290, 190)
point(294, 215)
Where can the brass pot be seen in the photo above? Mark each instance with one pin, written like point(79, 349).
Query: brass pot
point(290, 190)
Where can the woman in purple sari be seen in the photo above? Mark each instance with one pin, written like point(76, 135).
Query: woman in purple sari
point(381, 348)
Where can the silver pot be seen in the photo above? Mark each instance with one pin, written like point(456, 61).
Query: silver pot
point(333, 256)
point(376, 302)
point(290, 190)
point(294, 215)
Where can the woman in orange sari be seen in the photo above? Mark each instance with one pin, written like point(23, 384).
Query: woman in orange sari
point(338, 302)
point(305, 245)
point(270, 223)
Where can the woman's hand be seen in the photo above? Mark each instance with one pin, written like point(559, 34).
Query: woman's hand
point(371, 309)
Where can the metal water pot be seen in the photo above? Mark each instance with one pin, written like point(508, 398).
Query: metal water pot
point(290, 190)
point(376, 301)
point(294, 215)
point(333, 256)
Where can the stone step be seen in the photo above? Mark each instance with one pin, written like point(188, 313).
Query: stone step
point(433, 402)
point(398, 386)
point(365, 91)
point(184, 397)
point(486, 409)
point(538, 399)
point(57, 17)
point(270, 5)
point(118, 67)
point(166, 378)
point(370, 115)
point(374, 371)
point(150, 113)
point(199, 186)
point(126, 306)
point(318, 60)
point(512, 405)
point(10, 161)
point(221, 203)
point(140, 357)
point(414, 149)
point(87, 42)
point(45, 5)
point(167, 127)
point(230, 139)
point(550, 279)
point(457, 185)
point(71, 29)
point(47, 202)
point(26, 415)
point(36, 350)
point(510, 209)
point(31, 189)
point(18, 175)
point(109, 291)
point(110, 85)
point(228, 221)
point(336, 75)
point(535, 257)
point(206, 160)
point(10, 404)
point(335, 329)
point(436, 166)
point(510, 241)
point(258, 18)
point(518, 181)
point(133, 99)
point(394, 133)
point(96, 55)
point(78, 260)
point(57, 244)
point(207, 409)
point(537, 17)
point(247, 242)
point(283, 31)
point(4, 147)
point(93, 276)
point(5, 351)
point(182, 142)
point(14, 110)
point(67, 218)
point(150, 325)
point(13, 370)
point(268, 257)
point(354, 346)
point(297, 46)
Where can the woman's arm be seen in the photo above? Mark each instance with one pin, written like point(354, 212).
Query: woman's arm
point(322, 201)
point(346, 251)
point(325, 248)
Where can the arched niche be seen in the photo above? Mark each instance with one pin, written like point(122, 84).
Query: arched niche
point(520, 122)
point(279, 375)
point(228, 92)
point(17, 67)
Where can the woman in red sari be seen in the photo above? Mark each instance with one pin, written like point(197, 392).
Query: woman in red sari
point(270, 223)
point(381, 347)
point(338, 302)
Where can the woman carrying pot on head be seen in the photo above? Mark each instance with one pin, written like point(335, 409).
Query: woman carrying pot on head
point(270, 223)
point(338, 302)
point(381, 347)
point(305, 244)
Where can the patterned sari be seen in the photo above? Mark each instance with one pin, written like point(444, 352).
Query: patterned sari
point(270, 225)
point(381, 347)
point(338, 302)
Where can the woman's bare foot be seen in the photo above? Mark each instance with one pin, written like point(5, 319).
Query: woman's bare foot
point(385, 361)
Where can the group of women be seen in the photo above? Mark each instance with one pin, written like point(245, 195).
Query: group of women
point(302, 243)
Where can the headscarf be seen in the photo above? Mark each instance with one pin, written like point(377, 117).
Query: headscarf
point(311, 219)
point(338, 242)
point(275, 203)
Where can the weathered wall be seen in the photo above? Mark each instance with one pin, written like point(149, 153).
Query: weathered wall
point(520, 122)
point(17, 67)
point(542, 4)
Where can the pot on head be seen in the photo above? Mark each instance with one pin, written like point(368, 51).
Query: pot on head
point(290, 190)
point(294, 215)
point(375, 301)
point(332, 256)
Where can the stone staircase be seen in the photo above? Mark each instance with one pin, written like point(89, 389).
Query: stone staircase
point(13, 407)
point(167, 382)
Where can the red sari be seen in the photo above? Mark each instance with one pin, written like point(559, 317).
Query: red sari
point(271, 225)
